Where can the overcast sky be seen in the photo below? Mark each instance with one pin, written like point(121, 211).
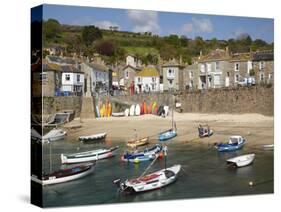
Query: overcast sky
point(164, 23)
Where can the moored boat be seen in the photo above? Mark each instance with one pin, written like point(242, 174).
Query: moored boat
point(204, 131)
point(138, 142)
point(242, 160)
point(155, 180)
point(166, 135)
point(118, 114)
point(54, 135)
point(65, 175)
point(146, 155)
point(88, 156)
point(95, 137)
point(235, 143)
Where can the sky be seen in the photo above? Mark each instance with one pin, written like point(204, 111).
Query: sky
point(164, 23)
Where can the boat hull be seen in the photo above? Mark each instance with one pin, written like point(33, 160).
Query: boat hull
point(96, 137)
point(241, 161)
point(54, 180)
point(65, 159)
point(229, 147)
point(137, 143)
point(167, 135)
point(157, 183)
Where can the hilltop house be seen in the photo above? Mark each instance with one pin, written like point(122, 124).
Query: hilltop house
point(133, 61)
point(147, 80)
point(172, 76)
point(263, 67)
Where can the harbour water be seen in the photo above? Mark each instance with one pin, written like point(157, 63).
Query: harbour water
point(204, 174)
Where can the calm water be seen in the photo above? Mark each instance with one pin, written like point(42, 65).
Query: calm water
point(204, 174)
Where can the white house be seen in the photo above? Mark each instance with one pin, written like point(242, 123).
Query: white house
point(147, 80)
point(72, 81)
point(133, 61)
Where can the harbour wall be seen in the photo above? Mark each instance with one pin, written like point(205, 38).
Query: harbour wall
point(255, 99)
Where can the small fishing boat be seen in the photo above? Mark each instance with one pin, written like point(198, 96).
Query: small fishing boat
point(138, 142)
point(240, 161)
point(204, 131)
point(235, 143)
point(146, 155)
point(268, 146)
point(54, 135)
point(65, 175)
point(119, 114)
point(88, 156)
point(95, 137)
point(166, 135)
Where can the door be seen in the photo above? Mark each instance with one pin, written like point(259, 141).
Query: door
point(226, 81)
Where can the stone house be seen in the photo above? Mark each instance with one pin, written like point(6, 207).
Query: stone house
point(133, 61)
point(97, 78)
point(263, 67)
point(46, 80)
point(213, 69)
point(240, 66)
point(172, 76)
point(191, 77)
point(129, 74)
point(147, 80)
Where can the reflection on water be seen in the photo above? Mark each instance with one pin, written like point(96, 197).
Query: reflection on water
point(204, 174)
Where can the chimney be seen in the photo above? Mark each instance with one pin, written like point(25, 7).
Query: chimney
point(180, 60)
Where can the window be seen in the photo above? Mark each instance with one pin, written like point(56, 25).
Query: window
point(127, 74)
point(191, 83)
point(236, 66)
point(43, 76)
point(209, 67)
point(270, 76)
point(139, 79)
point(217, 64)
point(67, 77)
point(236, 77)
point(262, 65)
point(152, 87)
point(217, 79)
point(262, 77)
point(191, 74)
point(153, 79)
point(227, 74)
point(202, 68)
point(78, 77)
point(170, 71)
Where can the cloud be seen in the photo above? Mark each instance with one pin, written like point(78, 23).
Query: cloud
point(198, 25)
point(144, 21)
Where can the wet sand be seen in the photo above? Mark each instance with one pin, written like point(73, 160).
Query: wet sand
point(256, 128)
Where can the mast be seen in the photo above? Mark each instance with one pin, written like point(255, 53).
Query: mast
point(50, 154)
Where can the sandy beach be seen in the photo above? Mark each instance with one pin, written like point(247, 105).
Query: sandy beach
point(256, 128)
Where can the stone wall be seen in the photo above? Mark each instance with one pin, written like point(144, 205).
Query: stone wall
point(256, 99)
point(52, 105)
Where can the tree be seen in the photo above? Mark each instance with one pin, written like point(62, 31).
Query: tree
point(91, 34)
point(51, 29)
point(105, 47)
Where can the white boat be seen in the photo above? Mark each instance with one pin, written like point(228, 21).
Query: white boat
point(268, 146)
point(94, 137)
point(132, 110)
point(243, 160)
point(155, 180)
point(54, 135)
point(127, 112)
point(166, 110)
point(137, 110)
point(120, 114)
point(88, 156)
point(65, 175)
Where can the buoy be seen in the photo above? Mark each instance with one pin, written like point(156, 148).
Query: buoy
point(251, 183)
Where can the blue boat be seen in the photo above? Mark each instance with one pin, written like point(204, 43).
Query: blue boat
point(169, 134)
point(235, 143)
point(146, 155)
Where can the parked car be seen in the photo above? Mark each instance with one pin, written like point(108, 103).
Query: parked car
point(247, 81)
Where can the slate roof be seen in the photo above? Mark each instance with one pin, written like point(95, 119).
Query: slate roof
point(266, 55)
point(215, 55)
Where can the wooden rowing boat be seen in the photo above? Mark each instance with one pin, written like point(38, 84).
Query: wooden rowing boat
point(138, 142)
point(95, 137)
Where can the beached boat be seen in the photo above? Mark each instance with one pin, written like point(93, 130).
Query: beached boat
point(95, 137)
point(268, 146)
point(138, 142)
point(65, 175)
point(119, 114)
point(146, 155)
point(54, 135)
point(166, 135)
point(204, 131)
point(240, 161)
point(93, 155)
point(235, 143)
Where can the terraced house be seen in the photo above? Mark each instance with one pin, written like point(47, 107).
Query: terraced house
point(147, 80)
point(263, 67)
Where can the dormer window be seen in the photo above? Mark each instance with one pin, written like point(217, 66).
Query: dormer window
point(236, 66)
